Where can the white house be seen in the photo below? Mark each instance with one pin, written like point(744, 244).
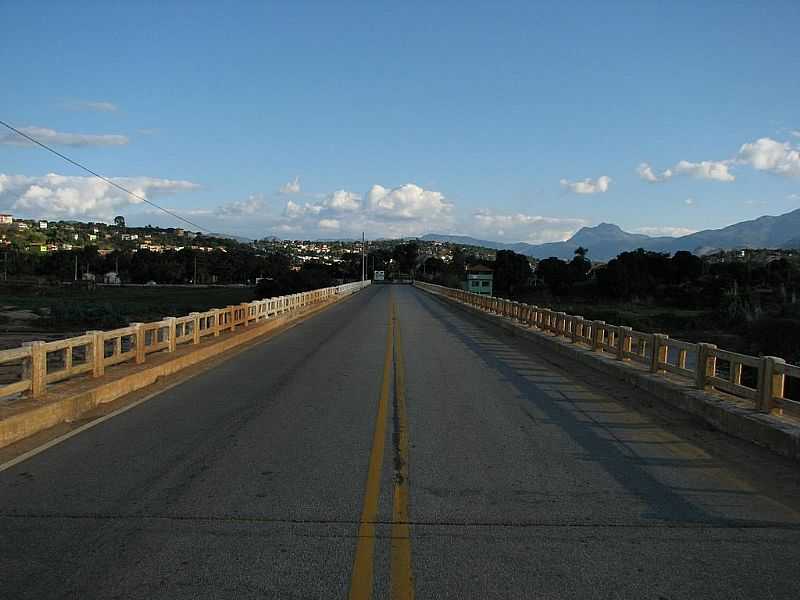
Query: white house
point(6, 219)
point(112, 278)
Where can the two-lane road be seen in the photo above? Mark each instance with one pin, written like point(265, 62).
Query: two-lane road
point(389, 447)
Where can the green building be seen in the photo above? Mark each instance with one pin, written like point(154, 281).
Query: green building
point(479, 280)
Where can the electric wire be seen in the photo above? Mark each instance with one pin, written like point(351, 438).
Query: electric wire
point(106, 179)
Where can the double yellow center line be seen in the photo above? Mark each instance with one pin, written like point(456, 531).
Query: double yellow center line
point(401, 577)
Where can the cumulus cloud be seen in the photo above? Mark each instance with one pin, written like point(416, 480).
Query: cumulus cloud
point(408, 201)
point(766, 154)
point(93, 105)
point(54, 195)
point(588, 186)
point(520, 227)
point(646, 172)
point(706, 169)
point(58, 138)
point(401, 211)
point(662, 231)
point(342, 201)
point(796, 132)
point(689, 202)
point(718, 170)
point(329, 224)
point(254, 205)
point(291, 187)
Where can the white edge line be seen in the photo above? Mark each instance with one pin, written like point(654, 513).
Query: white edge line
point(63, 438)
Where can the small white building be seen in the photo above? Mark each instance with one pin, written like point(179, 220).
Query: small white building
point(112, 278)
point(6, 219)
point(43, 224)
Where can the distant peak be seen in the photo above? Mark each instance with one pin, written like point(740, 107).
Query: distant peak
point(605, 227)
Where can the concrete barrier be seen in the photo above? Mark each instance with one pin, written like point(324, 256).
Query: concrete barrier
point(185, 341)
point(642, 359)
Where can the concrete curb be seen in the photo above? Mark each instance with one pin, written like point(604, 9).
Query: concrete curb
point(69, 400)
point(722, 411)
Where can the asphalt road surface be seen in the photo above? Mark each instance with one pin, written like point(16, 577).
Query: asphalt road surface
point(390, 447)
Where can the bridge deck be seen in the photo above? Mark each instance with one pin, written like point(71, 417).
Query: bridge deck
point(513, 479)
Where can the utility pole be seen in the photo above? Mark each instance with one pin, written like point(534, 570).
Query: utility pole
point(194, 278)
point(5, 266)
point(363, 259)
point(75, 277)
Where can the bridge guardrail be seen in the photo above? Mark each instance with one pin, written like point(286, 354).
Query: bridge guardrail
point(758, 379)
point(41, 363)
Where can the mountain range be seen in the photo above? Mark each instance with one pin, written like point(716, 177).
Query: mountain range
point(606, 240)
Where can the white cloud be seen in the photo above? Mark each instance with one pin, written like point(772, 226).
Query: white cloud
point(796, 132)
point(706, 169)
point(689, 202)
point(766, 154)
point(57, 138)
point(97, 106)
point(662, 231)
point(520, 227)
point(292, 187)
point(588, 186)
point(54, 195)
point(329, 224)
point(254, 205)
point(717, 170)
point(408, 201)
point(646, 172)
point(403, 211)
point(343, 201)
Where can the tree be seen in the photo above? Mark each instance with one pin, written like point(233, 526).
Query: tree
point(579, 266)
point(119, 221)
point(686, 267)
point(512, 271)
point(556, 274)
point(406, 256)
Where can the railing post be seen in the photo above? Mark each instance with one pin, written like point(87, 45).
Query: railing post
point(217, 316)
point(246, 312)
point(598, 333)
point(561, 323)
point(706, 365)
point(195, 327)
point(140, 347)
point(623, 341)
point(577, 328)
point(231, 311)
point(35, 368)
point(660, 348)
point(172, 343)
point(771, 384)
point(98, 353)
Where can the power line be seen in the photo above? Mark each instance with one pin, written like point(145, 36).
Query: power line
point(106, 179)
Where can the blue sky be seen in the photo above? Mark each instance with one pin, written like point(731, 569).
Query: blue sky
point(509, 121)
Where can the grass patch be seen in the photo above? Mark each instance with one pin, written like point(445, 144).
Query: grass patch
point(109, 307)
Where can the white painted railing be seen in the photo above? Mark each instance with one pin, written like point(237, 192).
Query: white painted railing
point(38, 364)
point(710, 367)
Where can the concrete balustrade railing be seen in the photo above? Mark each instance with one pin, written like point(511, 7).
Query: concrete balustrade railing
point(42, 363)
point(760, 380)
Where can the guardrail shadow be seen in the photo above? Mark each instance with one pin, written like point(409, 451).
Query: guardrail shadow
point(571, 406)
